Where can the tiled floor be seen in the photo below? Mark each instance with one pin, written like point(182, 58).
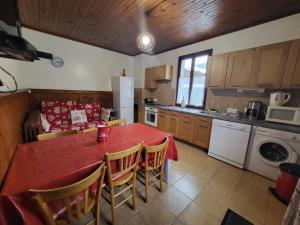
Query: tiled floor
point(199, 192)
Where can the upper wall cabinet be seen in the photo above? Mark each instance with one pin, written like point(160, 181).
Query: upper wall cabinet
point(149, 78)
point(269, 65)
point(155, 74)
point(291, 77)
point(218, 71)
point(239, 69)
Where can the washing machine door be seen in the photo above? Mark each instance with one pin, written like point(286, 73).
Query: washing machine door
point(274, 152)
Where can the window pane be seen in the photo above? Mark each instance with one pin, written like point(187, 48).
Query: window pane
point(198, 87)
point(184, 80)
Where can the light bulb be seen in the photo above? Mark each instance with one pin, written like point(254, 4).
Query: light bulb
point(145, 42)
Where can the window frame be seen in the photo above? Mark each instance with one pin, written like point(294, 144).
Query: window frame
point(193, 56)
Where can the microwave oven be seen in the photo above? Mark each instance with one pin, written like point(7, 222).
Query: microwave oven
point(281, 114)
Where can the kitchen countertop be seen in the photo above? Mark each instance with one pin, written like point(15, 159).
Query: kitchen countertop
point(223, 116)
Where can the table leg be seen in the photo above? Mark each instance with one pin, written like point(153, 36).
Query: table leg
point(166, 170)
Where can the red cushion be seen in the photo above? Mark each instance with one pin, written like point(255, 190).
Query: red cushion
point(57, 112)
point(92, 110)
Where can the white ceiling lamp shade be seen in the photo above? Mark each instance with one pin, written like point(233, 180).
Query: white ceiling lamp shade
point(145, 42)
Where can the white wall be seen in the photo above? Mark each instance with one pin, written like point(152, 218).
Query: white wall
point(284, 29)
point(86, 67)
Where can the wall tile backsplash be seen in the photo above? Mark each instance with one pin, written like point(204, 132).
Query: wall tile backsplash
point(219, 99)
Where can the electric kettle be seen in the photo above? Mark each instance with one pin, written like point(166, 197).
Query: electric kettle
point(279, 98)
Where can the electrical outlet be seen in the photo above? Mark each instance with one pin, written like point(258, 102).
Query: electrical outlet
point(1, 83)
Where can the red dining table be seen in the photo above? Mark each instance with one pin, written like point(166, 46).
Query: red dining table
point(64, 160)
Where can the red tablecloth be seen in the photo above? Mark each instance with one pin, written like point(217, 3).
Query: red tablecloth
point(64, 160)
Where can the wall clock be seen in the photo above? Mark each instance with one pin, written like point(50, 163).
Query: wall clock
point(57, 62)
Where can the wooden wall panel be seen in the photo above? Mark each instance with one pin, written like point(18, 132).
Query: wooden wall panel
point(104, 98)
point(13, 110)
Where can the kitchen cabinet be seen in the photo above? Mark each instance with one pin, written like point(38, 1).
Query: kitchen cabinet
point(218, 71)
point(191, 128)
point(201, 131)
point(163, 73)
point(150, 82)
point(173, 123)
point(239, 67)
point(141, 114)
point(162, 122)
point(269, 65)
point(185, 128)
point(291, 77)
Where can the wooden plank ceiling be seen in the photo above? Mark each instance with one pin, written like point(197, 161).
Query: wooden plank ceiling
point(115, 24)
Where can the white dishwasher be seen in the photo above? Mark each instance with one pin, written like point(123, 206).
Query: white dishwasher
point(229, 142)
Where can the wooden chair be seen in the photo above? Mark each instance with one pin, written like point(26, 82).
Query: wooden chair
point(114, 123)
point(47, 136)
point(78, 199)
point(89, 130)
point(154, 164)
point(121, 170)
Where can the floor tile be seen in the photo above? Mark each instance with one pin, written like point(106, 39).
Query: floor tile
point(174, 200)
point(211, 203)
point(190, 187)
point(156, 213)
point(251, 200)
point(193, 214)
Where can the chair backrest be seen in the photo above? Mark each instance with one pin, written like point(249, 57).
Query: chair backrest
point(114, 123)
point(123, 162)
point(89, 130)
point(155, 155)
point(78, 198)
point(47, 136)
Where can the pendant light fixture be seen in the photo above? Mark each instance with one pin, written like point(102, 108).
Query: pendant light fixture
point(145, 42)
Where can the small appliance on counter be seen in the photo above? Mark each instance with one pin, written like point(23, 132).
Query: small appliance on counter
point(253, 109)
point(150, 101)
point(279, 98)
point(281, 114)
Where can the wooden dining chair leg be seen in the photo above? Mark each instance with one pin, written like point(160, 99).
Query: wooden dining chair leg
point(161, 177)
point(146, 186)
point(97, 216)
point(133, 192)
point(112, 205)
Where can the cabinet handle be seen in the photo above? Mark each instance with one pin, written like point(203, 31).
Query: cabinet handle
point(203, 126)
point(186, 122)
point(235, 86)
point(265, 85)
point(204, 120)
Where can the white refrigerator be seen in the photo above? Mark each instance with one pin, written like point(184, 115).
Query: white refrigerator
point(123, 97)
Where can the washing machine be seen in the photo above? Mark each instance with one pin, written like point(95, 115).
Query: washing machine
point(268, 148)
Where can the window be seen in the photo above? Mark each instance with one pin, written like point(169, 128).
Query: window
point(191, 78)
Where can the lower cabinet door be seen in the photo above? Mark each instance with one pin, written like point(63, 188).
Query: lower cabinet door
point(185, 130)
point(201, 132)
point(162, 122)
point(172, 125)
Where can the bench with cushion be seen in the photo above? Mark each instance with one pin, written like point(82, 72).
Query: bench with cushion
point(55, 116)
